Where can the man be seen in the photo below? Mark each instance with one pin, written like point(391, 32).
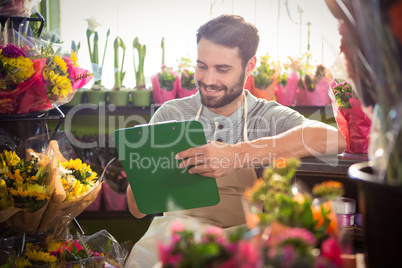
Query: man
point(243, 132)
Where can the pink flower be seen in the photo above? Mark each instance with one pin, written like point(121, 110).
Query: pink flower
point(347, 94)
point(177, 226)
point(330, 249)
point(11, 51)
point(298, 233)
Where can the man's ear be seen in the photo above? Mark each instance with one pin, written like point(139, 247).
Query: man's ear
point(250, 66)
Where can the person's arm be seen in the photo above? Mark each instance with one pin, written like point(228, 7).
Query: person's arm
point(132, 205)
point(215, 159)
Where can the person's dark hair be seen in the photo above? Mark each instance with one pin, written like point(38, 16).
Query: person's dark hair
point(232, 31)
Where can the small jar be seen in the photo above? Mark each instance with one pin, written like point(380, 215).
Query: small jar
point(345, 209)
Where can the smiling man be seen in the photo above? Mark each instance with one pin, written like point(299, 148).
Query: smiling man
point(244, 132)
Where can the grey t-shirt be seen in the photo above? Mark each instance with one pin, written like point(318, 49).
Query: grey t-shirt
point(264, 118)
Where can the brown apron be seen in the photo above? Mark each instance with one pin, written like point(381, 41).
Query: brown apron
point(229, 211)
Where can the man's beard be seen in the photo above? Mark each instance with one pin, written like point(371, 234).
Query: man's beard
point(230, 95)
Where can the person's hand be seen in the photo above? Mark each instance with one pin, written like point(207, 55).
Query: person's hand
point(214, 159)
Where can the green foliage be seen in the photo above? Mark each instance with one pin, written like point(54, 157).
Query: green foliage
point(119, 74)
point(343, 92)
point(139, 71)
point(263, 74)
point(186, 68)
point(166, 78)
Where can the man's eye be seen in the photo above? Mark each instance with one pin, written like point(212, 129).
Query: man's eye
point(202, 67)
point(223, 70)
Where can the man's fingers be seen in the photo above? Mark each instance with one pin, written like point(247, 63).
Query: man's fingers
point(191, 152)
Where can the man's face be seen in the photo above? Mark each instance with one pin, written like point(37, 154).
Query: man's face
point(219, 75)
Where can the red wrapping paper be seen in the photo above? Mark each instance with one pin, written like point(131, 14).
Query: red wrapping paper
point(28, 96)
point(354, 126)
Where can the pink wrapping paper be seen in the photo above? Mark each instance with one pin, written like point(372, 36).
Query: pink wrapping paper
point(114, 201)
point(319, 97)
point(184, 92)
point(163, 95)
point(285, 95)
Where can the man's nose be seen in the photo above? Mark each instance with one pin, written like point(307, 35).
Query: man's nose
point(210, 77)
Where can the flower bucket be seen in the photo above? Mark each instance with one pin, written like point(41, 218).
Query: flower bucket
point(381, 208)
point(141, 97)
point(96, 97)
point(113, 200)
point(118, 97)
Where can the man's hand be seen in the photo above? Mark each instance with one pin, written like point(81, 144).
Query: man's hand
point(214, 159)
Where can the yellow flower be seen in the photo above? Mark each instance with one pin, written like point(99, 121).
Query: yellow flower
point(23, 262)
point(31, 190)
point(16, 176)
point(74, 58)
point(40, 256)
point(61, 63)
point(11, 158)
point(53, 246)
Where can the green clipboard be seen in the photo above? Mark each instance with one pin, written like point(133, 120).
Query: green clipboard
point(158, 184)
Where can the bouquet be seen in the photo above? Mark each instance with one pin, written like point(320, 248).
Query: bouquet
point(35, 77)
point(263, 79)
point(350, 118)
point(76, 186)
point(45, 193)
point(18, 8)
point(25, 190)
point(98, 250)
point(187, 85)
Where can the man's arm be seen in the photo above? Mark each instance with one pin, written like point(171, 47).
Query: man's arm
point(311, 138)
point(132, 205)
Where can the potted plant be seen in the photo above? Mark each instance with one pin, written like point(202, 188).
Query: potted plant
point(119, 94)
point(317, 86)
point(371, 42)
point(187, 84)
point(264, 81)
point(164, 83)
point(96, 95)
point(141, 96)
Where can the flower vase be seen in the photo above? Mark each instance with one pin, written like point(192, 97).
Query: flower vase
point(381, 208)
point(141, 97)
point(118, 97)
point(96, 97)
point(113, 201)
